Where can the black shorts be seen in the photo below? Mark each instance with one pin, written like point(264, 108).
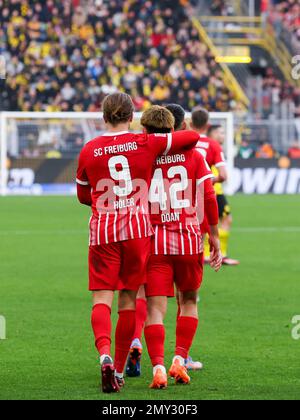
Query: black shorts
point(224, 207)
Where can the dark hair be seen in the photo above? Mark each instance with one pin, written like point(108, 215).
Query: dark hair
point(117, 108)
point(178, 113)
point(213, 128)
point(200, 118)
point(158, 119)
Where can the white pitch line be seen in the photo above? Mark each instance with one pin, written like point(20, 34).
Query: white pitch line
point(42, 232)
point(269, 229)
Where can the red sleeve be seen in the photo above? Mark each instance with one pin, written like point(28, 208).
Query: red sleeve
point(84, 194)
point(211, 211)
point(81, 177)
point(162, 144)
point(210, 204)
point(205, 226)
point(184, 140)
point(218, 155)
point(209, 191)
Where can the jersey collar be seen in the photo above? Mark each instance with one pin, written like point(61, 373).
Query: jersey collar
point(121, 133)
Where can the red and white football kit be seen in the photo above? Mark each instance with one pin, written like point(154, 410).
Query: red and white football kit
point(213, 153)
point(118, 168)
point(177, 245)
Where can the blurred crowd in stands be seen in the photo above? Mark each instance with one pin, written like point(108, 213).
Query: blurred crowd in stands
point(221, 8)
point(273, 94)
point(266, 150)
point(285, 16)
point(66, 58)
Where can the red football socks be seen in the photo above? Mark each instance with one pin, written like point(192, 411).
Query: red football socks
point(141, 316)
point(124, 336)
point(155, 339)
point(101, 323)
point(185, 333)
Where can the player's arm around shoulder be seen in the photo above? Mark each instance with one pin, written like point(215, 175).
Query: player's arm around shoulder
point(162, 144)
point(186, 140)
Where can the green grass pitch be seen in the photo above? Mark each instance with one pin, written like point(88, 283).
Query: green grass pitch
point(244, 337)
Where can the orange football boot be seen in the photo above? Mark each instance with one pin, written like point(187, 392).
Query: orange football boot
point(160, 380)
point(179, 373)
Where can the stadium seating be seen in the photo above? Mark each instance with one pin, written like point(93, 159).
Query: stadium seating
point(62, 57)
point(66, 58)
point(285, 18)
point(287, 14)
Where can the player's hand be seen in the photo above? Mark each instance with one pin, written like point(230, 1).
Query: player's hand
point(215, 253)
point(216, 262)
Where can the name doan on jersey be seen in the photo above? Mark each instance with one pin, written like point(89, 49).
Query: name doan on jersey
point(170, 217)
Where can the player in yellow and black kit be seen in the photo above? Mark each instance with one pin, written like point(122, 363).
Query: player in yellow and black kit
point(217, 133)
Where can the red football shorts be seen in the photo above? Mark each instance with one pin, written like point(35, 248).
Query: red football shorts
point(120, 265)
point(164, 271)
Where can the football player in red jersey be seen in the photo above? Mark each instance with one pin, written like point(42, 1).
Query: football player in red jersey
point(211, 149)
point(113, 177)
point(217, 133)
point(213, 152)
point(133, 368)
point(180, 189)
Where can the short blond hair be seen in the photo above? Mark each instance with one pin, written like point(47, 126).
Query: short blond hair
point(158, 119)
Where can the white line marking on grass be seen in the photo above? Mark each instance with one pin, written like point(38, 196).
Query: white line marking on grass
point(269, 229)
point(42, 232)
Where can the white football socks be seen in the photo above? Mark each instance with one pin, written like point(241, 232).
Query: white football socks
point(103, 357)
point(161, 367)
point(181, 360)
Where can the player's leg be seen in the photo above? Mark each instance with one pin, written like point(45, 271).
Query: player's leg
point(155, 339)
point(188, 277)
point(225, 228)
point(101, 321)
point(190, 364)
point(104, 266)
point(225, 224)
point(186, 328)
point(102, 327)
point(206, 249)
point(187, 323)
point(135, 255)
point(125, 330)
point(133, 367)
point(158, 288)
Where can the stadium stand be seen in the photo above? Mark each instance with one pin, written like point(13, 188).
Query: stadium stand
point(268, 79)
point(66, 58)
point(285, 16)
